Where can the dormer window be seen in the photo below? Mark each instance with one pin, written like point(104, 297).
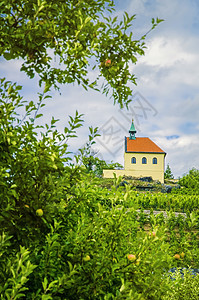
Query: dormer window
point(144, 161)
point(155, 161)
point(133, 160)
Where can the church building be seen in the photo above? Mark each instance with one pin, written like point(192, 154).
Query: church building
point(142, 158)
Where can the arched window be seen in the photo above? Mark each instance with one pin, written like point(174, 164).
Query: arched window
point(155, 161)
point(144, 160)
point(133, 160)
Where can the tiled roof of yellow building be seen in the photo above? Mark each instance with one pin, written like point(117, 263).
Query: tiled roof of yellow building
point(141, 144)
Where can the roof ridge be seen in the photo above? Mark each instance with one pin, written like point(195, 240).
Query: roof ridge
point(142, 144)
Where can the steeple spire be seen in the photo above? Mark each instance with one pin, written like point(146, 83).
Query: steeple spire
point(132, 131)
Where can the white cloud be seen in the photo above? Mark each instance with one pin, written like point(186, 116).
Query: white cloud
point(181, 153)
point(167, 53)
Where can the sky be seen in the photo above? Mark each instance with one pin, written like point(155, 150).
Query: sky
point(165, 102)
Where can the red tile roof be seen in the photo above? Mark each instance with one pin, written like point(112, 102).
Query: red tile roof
point(141, 144)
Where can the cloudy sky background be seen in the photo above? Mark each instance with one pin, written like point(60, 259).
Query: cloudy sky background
point(165, 105)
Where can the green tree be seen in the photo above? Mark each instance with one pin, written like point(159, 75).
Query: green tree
point(88, 157)
point(168, 174)
point(33, 165)
point(81, 35)
point(191, 180)
point(96, 165)
point(78, 247)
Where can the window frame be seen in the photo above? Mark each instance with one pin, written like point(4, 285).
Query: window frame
point(144, 160)
point(155, 161)
point(133, 160)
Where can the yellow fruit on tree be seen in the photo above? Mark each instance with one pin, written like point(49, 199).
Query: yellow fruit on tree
point(86, 258)
point(182, 255)
point(39, 212)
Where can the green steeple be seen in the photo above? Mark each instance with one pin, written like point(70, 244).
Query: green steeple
point(132, 131)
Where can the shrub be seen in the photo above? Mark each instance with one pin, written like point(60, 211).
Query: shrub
point(184, 286)
point(191, 181)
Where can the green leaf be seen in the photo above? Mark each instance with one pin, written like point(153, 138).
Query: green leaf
point(39, 116)
point(46, 297)
point(45, 283)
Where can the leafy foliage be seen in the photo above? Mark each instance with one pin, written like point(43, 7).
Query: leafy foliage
point(18, 272)
point(78, 244)
point(61, 235)
point(64, 237)
point(96, 165)
point(184, 287)
point(30, 166)
point(80, 35)
point(191, 181)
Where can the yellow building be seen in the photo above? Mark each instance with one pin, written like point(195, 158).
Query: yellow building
point(142, 158)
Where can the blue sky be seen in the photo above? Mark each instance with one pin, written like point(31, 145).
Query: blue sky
point(165, 105)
